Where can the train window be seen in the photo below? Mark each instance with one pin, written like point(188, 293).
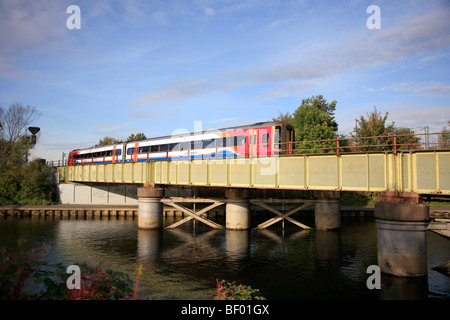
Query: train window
point(118, 152)
point(196, 145)
point(265, 139)
point(153, 148)
point(220, 142)
point(240, 141)
point(144, 149)
point(185, 145)
point(163, 147)
point(231, 141)
point(277, 138)
point(174, 147)
point(130, 150)
point(211, 143)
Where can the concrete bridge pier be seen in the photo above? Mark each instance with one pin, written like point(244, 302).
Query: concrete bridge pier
point(237, 209)
point(401, 222)
point(150, 208)
point(327, 213)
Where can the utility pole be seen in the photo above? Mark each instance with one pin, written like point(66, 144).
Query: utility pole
point(427, 137)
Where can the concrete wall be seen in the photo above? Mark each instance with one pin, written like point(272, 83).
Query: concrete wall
point(78, 193)
point(108, 193)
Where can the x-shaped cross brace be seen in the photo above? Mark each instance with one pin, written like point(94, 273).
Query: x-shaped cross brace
point(281, 215)
point(192, 214)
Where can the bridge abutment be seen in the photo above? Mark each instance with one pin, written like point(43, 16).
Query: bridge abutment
point(150, 208)
point(327, 213)
point(401, 222)
point(237, 209)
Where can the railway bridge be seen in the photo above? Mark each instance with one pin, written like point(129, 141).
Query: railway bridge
point(402, 176)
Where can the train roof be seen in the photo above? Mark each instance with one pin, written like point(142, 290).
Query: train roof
point(212, 130)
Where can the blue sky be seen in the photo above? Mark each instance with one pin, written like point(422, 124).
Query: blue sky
point(163, 66)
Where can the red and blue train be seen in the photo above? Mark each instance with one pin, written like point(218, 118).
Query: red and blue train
point(255, 140)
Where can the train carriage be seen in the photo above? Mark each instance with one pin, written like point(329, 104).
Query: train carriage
point(256, 140)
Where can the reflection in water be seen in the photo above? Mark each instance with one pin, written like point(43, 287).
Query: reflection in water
point(184, 263)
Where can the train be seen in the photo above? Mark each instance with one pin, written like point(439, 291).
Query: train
point(271, 138)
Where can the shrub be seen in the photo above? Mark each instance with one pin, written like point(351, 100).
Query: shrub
point(95, 283)
point(235, 291)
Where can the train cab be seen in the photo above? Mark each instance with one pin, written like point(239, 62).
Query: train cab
point(284, 138)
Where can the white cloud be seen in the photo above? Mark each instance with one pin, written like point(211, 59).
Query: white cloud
point(418, 35)
point(28, 25)
point(423, 88)
point(434, 117)
point(210, 11)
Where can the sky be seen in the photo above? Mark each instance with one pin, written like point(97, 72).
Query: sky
point(114, 68)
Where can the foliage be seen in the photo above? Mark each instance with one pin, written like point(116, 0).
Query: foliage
point(15, 269)
point(39, 185)
point(96, 284)
point(444, 137)
point(14, 120)
point(381, 133)
point(110, 140)
point(405, 139)
point(20, 270)
point(356, 198)
point(107, 141)
point(22, 182)
point(284, 117)
point(235, 291)
point(136, 137)
point(314, 120)
point(31, 183)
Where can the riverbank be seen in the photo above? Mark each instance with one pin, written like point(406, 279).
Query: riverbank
point(132, 210)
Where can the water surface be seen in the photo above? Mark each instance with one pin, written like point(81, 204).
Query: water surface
point(184, 263)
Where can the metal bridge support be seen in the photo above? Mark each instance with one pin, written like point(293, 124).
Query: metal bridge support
point(328, 210)
point(402, 221)
point(237, 209)
point(150, 208)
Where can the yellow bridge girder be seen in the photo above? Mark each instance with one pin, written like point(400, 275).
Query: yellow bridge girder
point(420, 171)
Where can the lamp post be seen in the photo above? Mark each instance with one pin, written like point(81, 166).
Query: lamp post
point(33, 131)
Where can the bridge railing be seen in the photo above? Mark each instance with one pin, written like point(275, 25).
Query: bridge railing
point(57, 163)
point(383, 143)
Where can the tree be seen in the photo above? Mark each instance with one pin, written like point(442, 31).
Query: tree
point(381, 134)
point(314, 120)
point(405, 138)
point(136, 137)
point(15, 120)
point(14, 143)
point(22, 182)
point(107, 141)
point(284, 117)
point(444, 137)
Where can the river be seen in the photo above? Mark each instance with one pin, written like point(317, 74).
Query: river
point(184, 263)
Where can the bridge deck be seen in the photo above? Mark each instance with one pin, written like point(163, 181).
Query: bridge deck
point(425, 172)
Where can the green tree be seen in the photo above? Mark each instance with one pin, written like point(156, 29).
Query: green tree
point(14, 143)
point(377, 135)
point(136, 137)
point(314, 120)
point(444, 137)
point(373, 126)
point(107, 141)
point(22, 182)
point(38, 185)
point(285, 117)
point(405, 138)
